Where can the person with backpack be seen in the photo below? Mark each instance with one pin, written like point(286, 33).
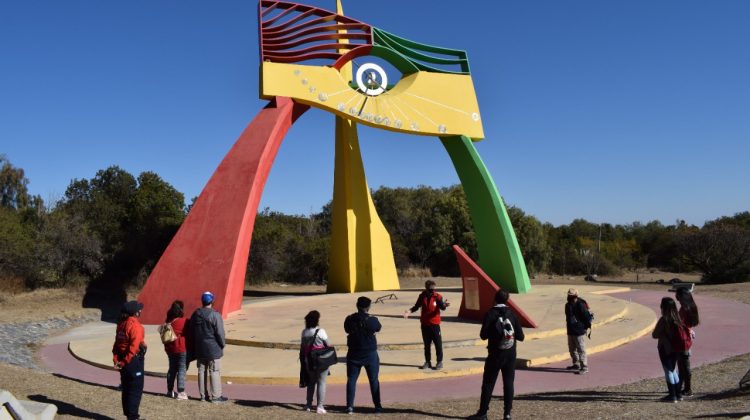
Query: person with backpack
point(175, 348)
point(208, 342)
point(689, 316)
point(673, 338)
point(128, 356)
point(362, 352)
point(502, 330)
point(313, 337)
point(577, 321)
point(431, 303)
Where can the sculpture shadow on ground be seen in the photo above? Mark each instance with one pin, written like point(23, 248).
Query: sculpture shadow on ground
point(68, 409)
point(284, 293)
point(587, 396)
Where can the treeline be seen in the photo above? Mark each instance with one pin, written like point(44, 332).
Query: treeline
point(109, 231)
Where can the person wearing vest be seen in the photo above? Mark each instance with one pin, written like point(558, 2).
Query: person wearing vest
point(362, 352)
point(501, 354)
point(128, 355)
point(431, 303)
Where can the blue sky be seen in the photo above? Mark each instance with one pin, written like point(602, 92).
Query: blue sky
point(614, 111)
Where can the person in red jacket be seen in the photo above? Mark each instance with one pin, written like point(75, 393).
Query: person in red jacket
point(431, 303)
point(128, 357)
point(176, 351)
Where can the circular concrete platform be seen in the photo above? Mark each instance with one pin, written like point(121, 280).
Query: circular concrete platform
point(263, 337)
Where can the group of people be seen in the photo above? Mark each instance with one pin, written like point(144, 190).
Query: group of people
point(200, 338)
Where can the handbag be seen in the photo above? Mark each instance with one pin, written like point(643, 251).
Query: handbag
point(166, 332)
point(321, 359)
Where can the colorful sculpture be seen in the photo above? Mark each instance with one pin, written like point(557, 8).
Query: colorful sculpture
point(311, 57)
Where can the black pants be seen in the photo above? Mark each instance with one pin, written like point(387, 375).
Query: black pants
point(683, 366)
point(497, 361)
point(431, 334)
point(131, 378)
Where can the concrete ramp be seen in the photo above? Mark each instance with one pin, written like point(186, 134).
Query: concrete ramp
point(12, 408)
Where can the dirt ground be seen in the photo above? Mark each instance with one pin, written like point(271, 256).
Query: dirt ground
point(717, 393)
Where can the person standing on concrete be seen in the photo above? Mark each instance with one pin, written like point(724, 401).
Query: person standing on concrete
point(363, 352)
point(502, 330)
point(577, 322)
point(129, 352)
point(431, 303)
point(208, 346)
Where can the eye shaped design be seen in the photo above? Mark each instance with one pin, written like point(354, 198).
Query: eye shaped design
point(371, 79)
point(311, 54)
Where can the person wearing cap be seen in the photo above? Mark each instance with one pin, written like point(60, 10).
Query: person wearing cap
point(431, 303)
point(577, 322)
point(208, 346)
point(129, 353)
point(363, 352)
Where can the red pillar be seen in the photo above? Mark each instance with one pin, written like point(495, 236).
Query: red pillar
point(211, 248)
point(479, 292)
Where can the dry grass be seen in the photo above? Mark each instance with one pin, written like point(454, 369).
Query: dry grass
point(43, 304)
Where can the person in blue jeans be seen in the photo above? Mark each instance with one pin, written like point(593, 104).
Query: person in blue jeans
point(363, 352)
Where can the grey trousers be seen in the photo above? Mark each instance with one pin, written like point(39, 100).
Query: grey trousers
point(577, 349)
point(209, 378)
point(320, 381)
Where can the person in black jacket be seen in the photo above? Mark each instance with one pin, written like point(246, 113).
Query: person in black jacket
point(363, 352)
point(577, 321)
point(502, 330)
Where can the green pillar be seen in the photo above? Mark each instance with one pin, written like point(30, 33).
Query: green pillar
point(499, 254)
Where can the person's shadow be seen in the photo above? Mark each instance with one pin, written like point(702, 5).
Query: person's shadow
point(68, 409)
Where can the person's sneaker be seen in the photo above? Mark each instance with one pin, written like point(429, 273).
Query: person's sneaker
point(321, 410)
point(349, 410)
point(219, 400)
point(426, 365)
point(478, 416)
point(584, 370)
point(506, 416)
point(182, 396)
point(573, 367)
point(687, 393)
point(439, 366)
point(308, 408)
point(378, 410)
point(669, 399)
point(171, 394)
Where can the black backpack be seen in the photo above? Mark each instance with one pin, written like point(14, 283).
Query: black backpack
point(505, 331)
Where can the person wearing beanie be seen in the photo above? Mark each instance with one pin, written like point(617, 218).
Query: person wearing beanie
point(360, 328)
point(128, 356)
point(208, 341)
point(577, 322)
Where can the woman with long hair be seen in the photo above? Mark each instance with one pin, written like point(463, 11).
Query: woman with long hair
point(669, 331)
point(176, 351)
point(314, 337)
point(129, 353)
point(689, 316)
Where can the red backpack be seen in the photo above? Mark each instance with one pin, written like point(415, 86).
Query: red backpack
point(680, 339)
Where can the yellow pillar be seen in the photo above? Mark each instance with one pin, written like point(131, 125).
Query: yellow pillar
point(361, 257)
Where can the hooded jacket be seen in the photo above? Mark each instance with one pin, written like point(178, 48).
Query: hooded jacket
point(207, 334)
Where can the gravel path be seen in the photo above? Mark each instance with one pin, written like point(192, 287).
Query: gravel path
point(19, 341)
